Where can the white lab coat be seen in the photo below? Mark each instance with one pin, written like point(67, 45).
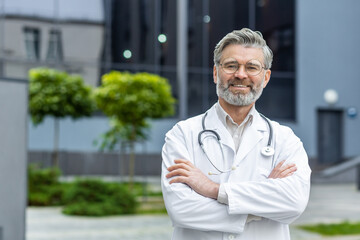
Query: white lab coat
point(277, 201)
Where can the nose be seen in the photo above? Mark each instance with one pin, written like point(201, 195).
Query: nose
point(241, 72)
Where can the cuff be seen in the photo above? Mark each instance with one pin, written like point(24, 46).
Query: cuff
point(222, 195)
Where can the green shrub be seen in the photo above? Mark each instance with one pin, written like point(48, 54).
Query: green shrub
point(91, 197)
point(44, 188)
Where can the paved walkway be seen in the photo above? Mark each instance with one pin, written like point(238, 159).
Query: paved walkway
point(328, 203)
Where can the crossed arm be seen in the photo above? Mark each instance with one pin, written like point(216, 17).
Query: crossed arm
point(185, 172)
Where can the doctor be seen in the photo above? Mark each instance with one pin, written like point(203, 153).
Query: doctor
point(229, 188)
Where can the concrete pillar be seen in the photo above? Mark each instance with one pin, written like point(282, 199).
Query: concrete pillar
point(182, 56)
point(13, 159)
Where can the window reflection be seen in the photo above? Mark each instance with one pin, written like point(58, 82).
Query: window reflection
point(32, 43)
point(55, 52)
point(147, 29)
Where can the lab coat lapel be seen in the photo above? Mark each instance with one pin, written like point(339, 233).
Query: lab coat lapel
point(214, 123)
point(252, 136)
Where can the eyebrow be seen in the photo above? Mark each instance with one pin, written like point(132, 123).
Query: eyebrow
point(252, 63)
point(232, 61)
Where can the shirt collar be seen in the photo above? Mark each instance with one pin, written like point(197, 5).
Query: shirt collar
point(223, 115)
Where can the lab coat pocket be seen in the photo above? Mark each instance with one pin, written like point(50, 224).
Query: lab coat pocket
point(263, 173)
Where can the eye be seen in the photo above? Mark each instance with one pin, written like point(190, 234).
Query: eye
point(253, 67)
point(230, 66)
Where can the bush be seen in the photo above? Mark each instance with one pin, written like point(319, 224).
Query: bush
point(44, 187)
point(92, 197)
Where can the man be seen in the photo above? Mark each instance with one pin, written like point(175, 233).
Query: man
point(218, 181)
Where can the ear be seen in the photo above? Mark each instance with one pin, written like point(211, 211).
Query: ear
point(267, 77)
point(215, 74)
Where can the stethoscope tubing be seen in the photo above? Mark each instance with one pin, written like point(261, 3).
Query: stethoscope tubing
point(266, 151)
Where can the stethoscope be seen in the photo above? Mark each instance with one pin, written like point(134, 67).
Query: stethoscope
point(266, 151)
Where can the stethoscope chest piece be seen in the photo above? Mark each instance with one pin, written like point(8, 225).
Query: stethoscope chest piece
point(267, 151)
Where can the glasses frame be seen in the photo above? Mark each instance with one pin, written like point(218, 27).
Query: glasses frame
point(239, 64)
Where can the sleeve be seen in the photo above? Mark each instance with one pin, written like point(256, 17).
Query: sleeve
point(186, 208)
point(281, 200)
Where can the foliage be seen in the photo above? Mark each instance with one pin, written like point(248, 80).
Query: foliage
point(43, 186)
point(131, 99)
point(55, 93)
point(344, 228)
point(118, 132)
point(134, 97)
point(91, 197)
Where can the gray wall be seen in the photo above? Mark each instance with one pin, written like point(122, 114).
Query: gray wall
point(13, 149)
point(328, 37)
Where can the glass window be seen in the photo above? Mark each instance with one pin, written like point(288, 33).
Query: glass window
point(275, 19)
point(32, 43)
point(144, 32)
point(278, 98)
point(55, 52)
point(143, 38)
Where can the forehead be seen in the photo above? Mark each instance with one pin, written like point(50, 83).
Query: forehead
point(241, 53)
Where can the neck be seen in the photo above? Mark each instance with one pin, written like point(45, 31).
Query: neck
point(237, 113)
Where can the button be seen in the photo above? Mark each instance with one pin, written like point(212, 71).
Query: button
point(231, 237)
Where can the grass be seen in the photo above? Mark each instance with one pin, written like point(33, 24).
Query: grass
point(343, 228)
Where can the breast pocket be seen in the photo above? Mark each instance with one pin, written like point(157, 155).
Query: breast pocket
point(262, 173)
point(264, 166)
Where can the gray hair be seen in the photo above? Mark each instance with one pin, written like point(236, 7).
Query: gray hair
point(247, 38)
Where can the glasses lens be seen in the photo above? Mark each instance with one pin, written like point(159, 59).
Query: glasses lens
point(230, 65)
point(253, 67)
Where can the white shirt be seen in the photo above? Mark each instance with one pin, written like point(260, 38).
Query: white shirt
point(236, 132)
point(234, 129)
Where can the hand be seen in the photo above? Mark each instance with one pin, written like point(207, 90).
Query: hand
point(281, 171)
point(184, 171)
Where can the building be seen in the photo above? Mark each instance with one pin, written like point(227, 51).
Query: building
point(38, 34)
point(314, 51)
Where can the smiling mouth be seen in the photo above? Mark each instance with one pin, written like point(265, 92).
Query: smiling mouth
point(239, 86)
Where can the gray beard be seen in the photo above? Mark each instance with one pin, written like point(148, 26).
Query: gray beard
point(239, 99)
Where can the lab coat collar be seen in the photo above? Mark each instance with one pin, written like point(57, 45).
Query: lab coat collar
point(213, 122)
point(252, 135)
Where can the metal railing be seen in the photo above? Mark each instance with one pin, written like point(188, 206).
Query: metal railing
point(335, 170)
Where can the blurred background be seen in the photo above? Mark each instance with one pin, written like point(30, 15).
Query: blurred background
point(314, 86)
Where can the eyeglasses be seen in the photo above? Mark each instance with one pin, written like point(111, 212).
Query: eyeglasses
point(252, 67)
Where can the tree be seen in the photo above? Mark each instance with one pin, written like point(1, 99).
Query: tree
point(130, 100)
point(58, 94)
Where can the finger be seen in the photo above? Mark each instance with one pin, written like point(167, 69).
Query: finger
point(177, 166)
point(279, 164)
point(288, 171)
point(177, 172)
point(279, 169)
point(184, 161)
point(286, 167)
point(178, 180)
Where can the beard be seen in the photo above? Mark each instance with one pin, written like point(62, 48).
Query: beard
point(238, 99)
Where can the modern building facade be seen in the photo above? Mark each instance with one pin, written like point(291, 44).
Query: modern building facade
point(58, 34)
point(315, 45)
